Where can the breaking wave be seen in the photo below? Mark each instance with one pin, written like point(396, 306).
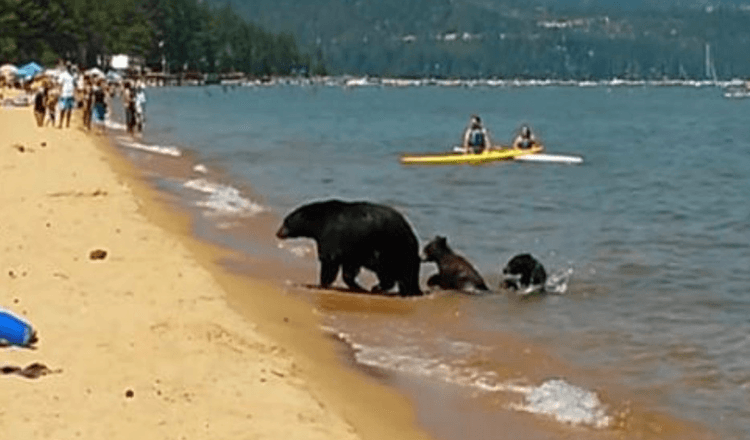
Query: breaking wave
point(223, 199)
point(555, 398)
point(156, 149)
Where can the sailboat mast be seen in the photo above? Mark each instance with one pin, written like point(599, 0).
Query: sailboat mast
point(710, 68)
point(708, 60)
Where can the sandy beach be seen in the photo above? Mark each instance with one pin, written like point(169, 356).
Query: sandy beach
point(148, 330)
point(147, 342)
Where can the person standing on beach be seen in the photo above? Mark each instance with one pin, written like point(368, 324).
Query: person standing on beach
point(40, 105)
point(52, 96)
point(67, 98)
point(99, 101)
point(140, 106)
point(88, 101)
point(128, 102)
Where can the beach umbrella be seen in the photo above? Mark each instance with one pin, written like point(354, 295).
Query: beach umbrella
point(8, 69)
point(29, 70)
point(53, 73)
point(114, 76)
point(95, 72)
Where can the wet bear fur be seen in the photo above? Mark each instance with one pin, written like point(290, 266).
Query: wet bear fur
point(524, 272)
point(454, 271)
point(352, 235)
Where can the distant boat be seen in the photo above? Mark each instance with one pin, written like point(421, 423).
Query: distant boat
point(738, 92)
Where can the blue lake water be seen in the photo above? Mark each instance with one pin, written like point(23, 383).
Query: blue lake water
point(654, 225)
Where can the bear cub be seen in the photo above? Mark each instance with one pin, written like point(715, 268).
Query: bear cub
point(525, 274)
point(454, 272)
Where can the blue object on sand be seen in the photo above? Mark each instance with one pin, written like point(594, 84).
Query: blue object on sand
point(14, 331)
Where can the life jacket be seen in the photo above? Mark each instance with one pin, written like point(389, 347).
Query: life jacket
point(476, 138)
point(526, 143)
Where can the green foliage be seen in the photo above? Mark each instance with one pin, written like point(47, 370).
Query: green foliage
point(515, 38)
point(186, 34)
point(33, 27)
point(489, 38)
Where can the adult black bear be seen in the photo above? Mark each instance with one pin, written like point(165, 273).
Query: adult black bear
point(454, 272)
point(353, 235)
point(523, 272)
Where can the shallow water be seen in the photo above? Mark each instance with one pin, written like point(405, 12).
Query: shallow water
point(653, 226)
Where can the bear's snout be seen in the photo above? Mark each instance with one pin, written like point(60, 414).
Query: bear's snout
point(283, 232)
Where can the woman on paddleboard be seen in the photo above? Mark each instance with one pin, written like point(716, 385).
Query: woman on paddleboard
point(525, 139)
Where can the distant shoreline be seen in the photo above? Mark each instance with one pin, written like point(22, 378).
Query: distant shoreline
point(369, 81)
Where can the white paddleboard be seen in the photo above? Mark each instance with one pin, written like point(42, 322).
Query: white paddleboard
point(550, 158)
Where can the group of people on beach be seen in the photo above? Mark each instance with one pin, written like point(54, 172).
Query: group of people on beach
point(56, 96)
point(54, 99)
point(476, 138)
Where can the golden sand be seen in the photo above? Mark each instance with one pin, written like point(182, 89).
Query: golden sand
point(147, 342)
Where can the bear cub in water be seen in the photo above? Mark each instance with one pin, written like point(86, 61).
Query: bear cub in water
point(454, 272)
point(352, 235)
point(523, 272)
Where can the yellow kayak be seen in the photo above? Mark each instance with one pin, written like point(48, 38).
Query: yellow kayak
point(490, 155)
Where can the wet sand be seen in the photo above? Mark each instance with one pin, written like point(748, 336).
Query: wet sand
point(156, 339)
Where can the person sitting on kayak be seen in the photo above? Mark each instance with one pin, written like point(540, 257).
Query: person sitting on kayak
point(525, 139)
point(476, 137)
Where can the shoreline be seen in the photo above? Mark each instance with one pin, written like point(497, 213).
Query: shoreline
point(157, 337)
point(445, 410)
point(324, 362)
point(352, 80)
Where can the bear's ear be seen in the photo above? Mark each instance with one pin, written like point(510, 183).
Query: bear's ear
point(442, 240)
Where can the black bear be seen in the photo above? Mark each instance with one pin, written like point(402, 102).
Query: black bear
point(523, 272)
point(454, 272)
point(353, 235)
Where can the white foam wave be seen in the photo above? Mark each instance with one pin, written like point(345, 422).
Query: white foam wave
point(557, 282)
point(557, 398)
point(201, 185)
point(369, 81)
point(156, 149)
point(200, 168)
point(566, 403)
point(112, 125)
point(223, 200)
point(298, 250)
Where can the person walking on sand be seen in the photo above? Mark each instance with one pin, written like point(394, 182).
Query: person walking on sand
point(67, 96)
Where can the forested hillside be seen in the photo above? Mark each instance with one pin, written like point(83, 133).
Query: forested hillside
point(562, 39)
point(182, 35)
point(513, 38)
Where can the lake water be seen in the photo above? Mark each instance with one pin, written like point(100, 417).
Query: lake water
point(653, 230)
